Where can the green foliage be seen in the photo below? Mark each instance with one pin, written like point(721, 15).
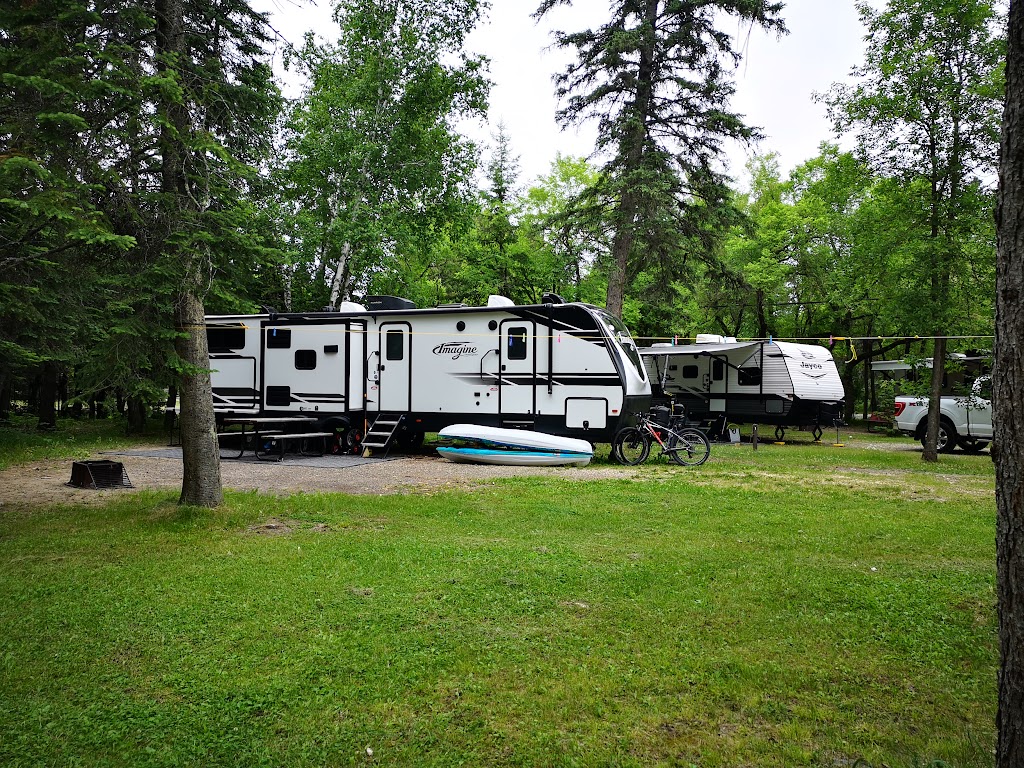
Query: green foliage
point(656, 78)
point(374, 170)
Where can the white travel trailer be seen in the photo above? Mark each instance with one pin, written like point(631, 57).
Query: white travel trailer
point(561, 368)
point(721, 380)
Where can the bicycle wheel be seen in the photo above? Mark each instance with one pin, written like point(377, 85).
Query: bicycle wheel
point(689, 447)
point(631, 446)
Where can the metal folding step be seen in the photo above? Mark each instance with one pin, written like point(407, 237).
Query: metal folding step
point(380, 433)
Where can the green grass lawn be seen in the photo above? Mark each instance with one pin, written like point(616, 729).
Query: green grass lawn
point(801, 605)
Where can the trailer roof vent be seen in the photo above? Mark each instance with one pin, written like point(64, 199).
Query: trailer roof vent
point(99, 474)
point(494, 300)
point(351, 306)
point(378, 303)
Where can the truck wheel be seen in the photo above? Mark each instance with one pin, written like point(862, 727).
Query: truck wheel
point(947, 436)
point(973, 444)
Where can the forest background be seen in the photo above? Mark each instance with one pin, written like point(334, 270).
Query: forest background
point(150, 171)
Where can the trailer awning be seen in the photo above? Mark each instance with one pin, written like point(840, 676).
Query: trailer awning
point(727, 349)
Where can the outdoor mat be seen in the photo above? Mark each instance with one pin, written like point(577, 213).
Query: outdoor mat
point(290, 460)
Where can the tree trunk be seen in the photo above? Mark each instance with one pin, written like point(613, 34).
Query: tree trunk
point(338, 287)
point(201, 482)
point(46, 408)
point(5, 396)
point(1008, 383)
point(136, 415)
point(931, 452)
point(632, 151)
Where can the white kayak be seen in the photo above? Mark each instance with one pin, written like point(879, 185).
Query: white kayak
point(494, 445)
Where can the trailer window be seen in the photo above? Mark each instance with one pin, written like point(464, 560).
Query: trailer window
point(516, 343)
point(225, 338)
point(749, 377)
point(395, 347)
point(690, 372)
point(305, 359)
point(717, 370)
point(279, 338)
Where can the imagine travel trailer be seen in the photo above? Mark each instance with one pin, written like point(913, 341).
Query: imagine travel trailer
point(560, 368)
point(763, 382)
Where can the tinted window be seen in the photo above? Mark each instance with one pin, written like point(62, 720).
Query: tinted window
point(690, 372)
point(305, 359)
point(749, 377)
point(516, 343)
point(717, 370)
point(225, 339)
point(395, 345)
point(279, 338)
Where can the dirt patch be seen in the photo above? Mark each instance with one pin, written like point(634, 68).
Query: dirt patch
point(43, 483)
point(272, 527)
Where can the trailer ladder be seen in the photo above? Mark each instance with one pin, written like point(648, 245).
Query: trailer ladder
point(381, 432)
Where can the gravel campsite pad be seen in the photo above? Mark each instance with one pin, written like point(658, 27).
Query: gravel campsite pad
point(160, 468)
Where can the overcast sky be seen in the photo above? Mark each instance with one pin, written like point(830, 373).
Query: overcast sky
point(774, 83)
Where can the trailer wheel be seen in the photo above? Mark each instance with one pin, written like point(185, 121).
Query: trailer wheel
point(346, 440)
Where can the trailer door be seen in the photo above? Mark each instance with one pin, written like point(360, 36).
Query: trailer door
point(517, 359)
point(394, 367)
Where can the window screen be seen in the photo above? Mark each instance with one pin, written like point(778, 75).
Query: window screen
point(516, 343)
point(225, 339)
point(279, 338)
point(690, 372)
point(717, 370)
point(748, 377)
point(305, 359)
point(395, 347)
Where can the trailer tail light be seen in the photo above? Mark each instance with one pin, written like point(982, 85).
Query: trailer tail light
point(899, 408)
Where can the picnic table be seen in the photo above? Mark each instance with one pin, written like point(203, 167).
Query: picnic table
point(269, 436)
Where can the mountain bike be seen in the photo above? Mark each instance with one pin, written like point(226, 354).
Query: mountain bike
point(683, 445)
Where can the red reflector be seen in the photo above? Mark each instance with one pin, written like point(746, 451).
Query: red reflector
point(615, 410)
point(899, 408)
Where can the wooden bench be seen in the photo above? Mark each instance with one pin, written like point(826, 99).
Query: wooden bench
point(281, 439)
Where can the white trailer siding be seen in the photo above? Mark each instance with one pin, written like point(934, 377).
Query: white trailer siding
point(812, 371)
point(565, 369)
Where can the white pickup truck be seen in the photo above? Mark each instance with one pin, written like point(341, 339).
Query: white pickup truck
point(965, 420)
